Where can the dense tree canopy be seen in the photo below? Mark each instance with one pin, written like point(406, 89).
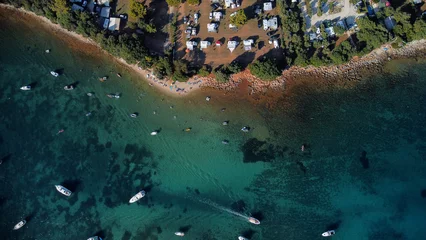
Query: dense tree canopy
point(137, 9)
point(174, 3)
point(239, 18)
point(265, 69)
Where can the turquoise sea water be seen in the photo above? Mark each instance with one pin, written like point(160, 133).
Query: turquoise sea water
point(362, 173)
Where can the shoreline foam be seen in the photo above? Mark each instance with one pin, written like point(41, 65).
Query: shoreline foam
point(354, 69)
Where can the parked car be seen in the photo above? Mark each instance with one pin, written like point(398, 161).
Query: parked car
point(84, 3)
point(123, 16)
point(211, 15)
point(194, 32)
point(185, 20)
point(215, 6)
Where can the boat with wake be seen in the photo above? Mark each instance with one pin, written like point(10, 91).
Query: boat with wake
point(94, 238)
point(242, 238)
point(254, 220)
point(328, 233)
point(63, 190)
point(137, 197)
point(26, 88)
point(55, 74)
point(180, 234)
point(19, 225)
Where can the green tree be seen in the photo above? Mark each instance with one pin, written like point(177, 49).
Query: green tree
point(173, 3)
point(265, 70)
point(221, 75)
point(147, 27)
point(204, 71)
point(137, 9)
point(193, 2)
point(239, 18)
point(61, 8)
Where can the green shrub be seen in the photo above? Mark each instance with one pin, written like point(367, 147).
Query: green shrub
point(265, 70)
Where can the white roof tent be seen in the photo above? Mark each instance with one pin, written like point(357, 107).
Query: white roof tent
point(212, 27)
point(204, 44)
point(267, 6)
point(114, 24)
point(190, 45)
point(103, 2)
point(247, 44)
point(330, 31)
point(232, 45)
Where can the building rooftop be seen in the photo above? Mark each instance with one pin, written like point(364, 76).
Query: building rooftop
point(105, 12)
point(211, 27)
point(267, 6)
point(204, 44)
point(232, 45)
point(103, 2)
point(114, 24)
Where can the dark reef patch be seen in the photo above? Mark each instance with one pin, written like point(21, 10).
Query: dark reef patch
point(255, 151)
point(365, 162)
point(423, 193)
point(127, 235)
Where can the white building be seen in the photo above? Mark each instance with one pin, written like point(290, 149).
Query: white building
point(114, 24)
point(271, 24)
point(204, 44)
point(267, 6)
point(212, 27)
point(191, 44)
point(217, 16)
point(103, 2)
point(229, 3)
point(232, 45)
point(247, 44)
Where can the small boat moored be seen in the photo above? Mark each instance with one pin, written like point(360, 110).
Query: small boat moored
point(180, 234)
point(103, 79)
point(94, 238)
point(225, 123)
point(112, 95)
point(225, 142)
point(119, 75)
point(254, 220)
point(138, 196)
point(63, 190)
point(69, 87)
point(90, 94)
point(55, 74)
point(154, 133)
point(26, 88)
point(328, 233)
point(19, 225)
point(245, 129)
point(187, 129)
point(134, 115)
point(242, 238)
point(208, 98)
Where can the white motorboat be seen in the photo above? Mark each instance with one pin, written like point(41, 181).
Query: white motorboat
point(224, 123)
point(154, 133)
point(225, 142)
point(19, 225)
point(26, 88)
point(180, 234)
point(242, 238)
point(94, 238)
point(69, 87)
point(55, 74)
point(134, 115)
point(328, 233)
point(254, 220)
point(112, 95)
point(63, 190)
point(245, 129)
point(90, 94)
point(138, 196)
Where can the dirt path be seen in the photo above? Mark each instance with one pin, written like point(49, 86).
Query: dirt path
point(347, 11)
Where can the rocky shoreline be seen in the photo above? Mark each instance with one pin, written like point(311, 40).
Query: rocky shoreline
point(354, 70)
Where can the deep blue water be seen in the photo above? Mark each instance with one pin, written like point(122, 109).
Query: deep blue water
point(362, 172)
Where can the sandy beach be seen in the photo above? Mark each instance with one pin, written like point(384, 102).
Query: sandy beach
point(355, 69)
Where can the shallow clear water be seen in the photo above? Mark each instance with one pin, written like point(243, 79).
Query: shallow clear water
point(362, 172)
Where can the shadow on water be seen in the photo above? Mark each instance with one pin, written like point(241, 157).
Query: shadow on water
point(364, 160)
point(6, 158)
point(101, 234)
point(423, 193)
point(248, 233)
point(258, 215)
point(30, 216)
point(60, 71)
point(33, 84)
point(72, 185)
point(148, 188)
point(75, 84)
point(333, 226)
point(3, 201)
point(185, 229)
